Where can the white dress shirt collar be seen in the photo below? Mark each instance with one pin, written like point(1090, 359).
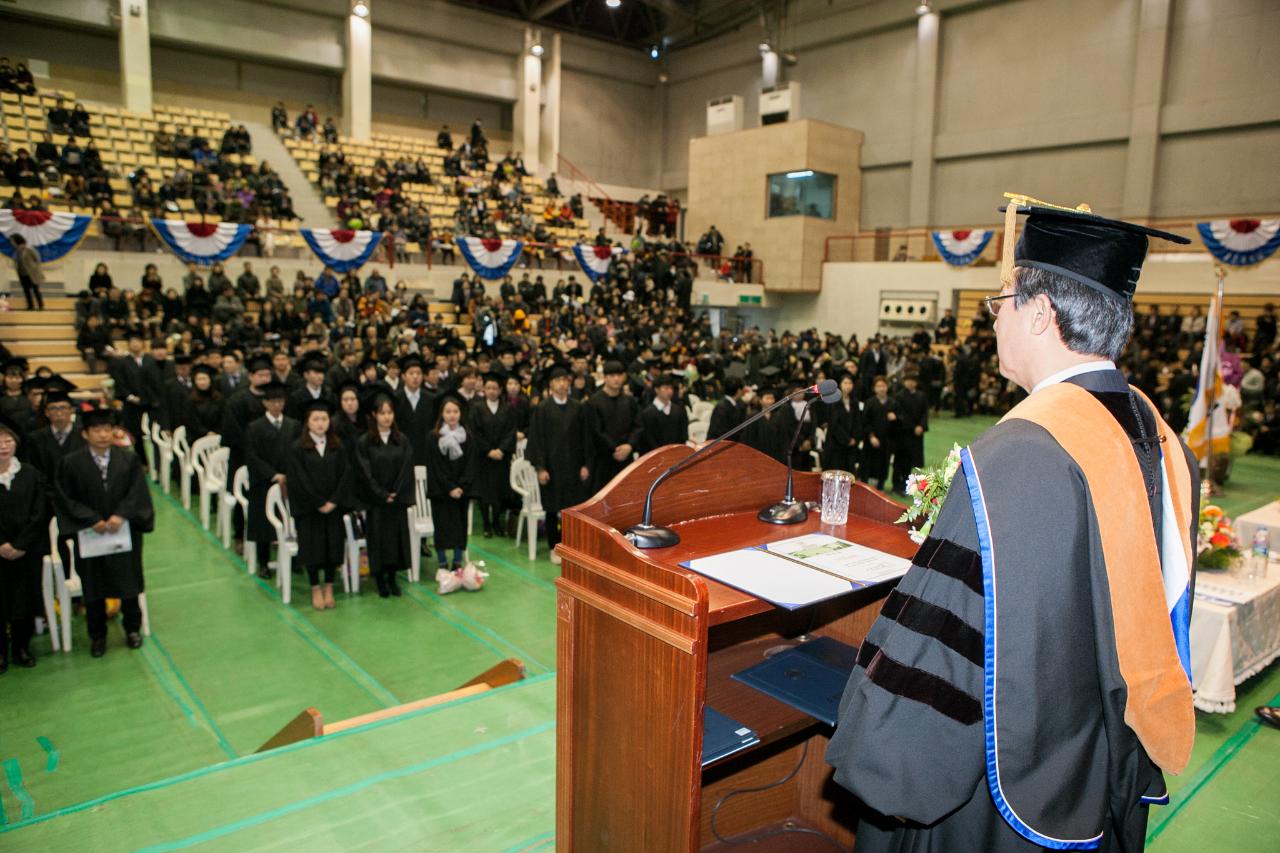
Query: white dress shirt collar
point(1074, 370)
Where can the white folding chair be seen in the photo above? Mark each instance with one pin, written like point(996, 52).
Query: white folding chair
point(520, 446)
point(237, 495)
point(524, 482)
point(207, 480)
point(54, 583)
point(164, 444)
point(148, 448)
point(421, 525)
point(182, 451)
point(351, 563)
point(698, 431)
point(702, 410)
point(286, 540)
point(819, 439)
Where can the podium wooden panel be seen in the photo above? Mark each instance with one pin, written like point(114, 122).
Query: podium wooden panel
point(643, 645)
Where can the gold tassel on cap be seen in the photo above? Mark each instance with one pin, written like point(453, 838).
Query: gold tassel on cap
point(1019, 201)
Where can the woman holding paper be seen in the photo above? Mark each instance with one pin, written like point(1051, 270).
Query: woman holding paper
point(319, 475)
point(24, 540)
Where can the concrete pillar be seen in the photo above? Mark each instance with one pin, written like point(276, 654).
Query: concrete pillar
point(924, 108)
point(357, 79)
point(526, 118)
point(135, 56)
point(1149, 73)
point(549, 153)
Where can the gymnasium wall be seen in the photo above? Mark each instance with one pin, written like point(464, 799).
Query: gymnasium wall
point(1040, 96)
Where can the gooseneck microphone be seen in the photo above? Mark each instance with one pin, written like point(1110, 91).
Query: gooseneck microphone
point(646, 534)
point(789, 510)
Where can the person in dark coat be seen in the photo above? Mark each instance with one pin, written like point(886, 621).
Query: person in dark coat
point(319, 475)
point(765, 434)
point(730, 411)
point(791, 426)
point(14, 403)
point(266, 454)
point(559, 449)
point(138, 383)
point(415, 408)
point(491, 423)
point(881, 412)
point(845, 429)
point(174, 394)
point(384, 460)
point(24, 540)
point(911, 425)
point(664, 421)
point(313, 370)
point(100, 489)
point(452, 458)
point(49, 445)
point(243, 407)
point(204, 408)
point(349, 422)
point(614, 425)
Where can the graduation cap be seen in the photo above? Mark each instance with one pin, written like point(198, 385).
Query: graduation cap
point(181, 359)
point(374, 394)
point(15, 363)
point(34, 383)
point(1103, 254)
point(613, 366)
point(770, 371)
point(410, 360)
point(667, 379)
point(8, 425)
point(258, 362)
point(211, 372)
point(493, 376)
point(319, 404)
point(274, 390)
point(56, 395)
point(313, 362)
point(367, 362)
point(92, 416)
point(737, 369)
point(555, 371)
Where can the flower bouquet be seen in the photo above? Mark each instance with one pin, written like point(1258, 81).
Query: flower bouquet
point(927, 489)
point(1216, 542)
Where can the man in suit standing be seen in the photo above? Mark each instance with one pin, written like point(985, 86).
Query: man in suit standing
point(267, 444)
point(48, 446)
point(137, 380)
point(26, 261)
point(102, 488)
point(415, 408)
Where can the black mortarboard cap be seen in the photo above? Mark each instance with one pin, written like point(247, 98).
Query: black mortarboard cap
point(769, 371)
point(34, 383)
point(207, 370)
point(555, 371)
point(493, 376)
point(56, 395)
point(275, 390)
point(181, 359)
point(91, 416)
point(16, 362)
point(367, 362)
point(320, 404)
point(667, 379)
point(613, 366)
point(258, 362)
point(10, 426)
point(410, 360)
point(1103, 254)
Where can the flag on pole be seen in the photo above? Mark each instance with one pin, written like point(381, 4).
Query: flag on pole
point(1208, 423)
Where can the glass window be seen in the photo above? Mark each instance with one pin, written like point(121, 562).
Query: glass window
point(802, 193)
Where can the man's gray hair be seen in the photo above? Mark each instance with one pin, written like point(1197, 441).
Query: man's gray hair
point(1091, 323)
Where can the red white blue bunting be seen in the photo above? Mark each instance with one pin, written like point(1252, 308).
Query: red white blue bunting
point(595, 260)
point(961, 248)
point(201, 243)
point(490, 258)
point(1241, 242)
point(52, 235)
point(340, 249)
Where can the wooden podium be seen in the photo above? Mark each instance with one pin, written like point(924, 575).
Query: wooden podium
point(643, 644)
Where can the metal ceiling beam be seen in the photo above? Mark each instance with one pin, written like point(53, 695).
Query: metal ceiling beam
point(546, 8)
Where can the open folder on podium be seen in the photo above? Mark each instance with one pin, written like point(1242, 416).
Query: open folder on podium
point(800, 571)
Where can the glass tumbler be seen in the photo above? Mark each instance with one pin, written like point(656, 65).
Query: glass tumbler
point(835, 496)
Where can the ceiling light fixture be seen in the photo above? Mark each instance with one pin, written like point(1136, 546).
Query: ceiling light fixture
point(613, 4)
point(360, 9)
point(654, 53)
point(925, 7)
point(536, 49)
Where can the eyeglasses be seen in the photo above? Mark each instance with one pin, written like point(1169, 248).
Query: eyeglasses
point(993, 302)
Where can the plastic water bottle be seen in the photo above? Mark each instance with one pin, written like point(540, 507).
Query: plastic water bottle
point(1260, 553)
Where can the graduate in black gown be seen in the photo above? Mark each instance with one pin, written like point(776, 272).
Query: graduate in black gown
point(880, 413)
point(24, 540)
point(320, 479)
point(386, 490)
point(49, 445)
point(415, 408)
point(765, 434)
point(243, 408)
point(452, 457)
point(204, 407)
point(101, 488)
point(788, 418)
point(174, 394)
point(909, 429)
point(518, 400)
point(614, 425)
point(560, 450)
point(845, 429)
point(13, 400)
point(313, 369)
point(730, 411)
point(266, 455)
point(664, 420)
point(348, 421)
point(491, 423)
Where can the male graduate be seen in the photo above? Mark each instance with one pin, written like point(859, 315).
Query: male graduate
point(664, 420)
point(313, 371)
point(173, 399)
point(102, 487)
point(731, 410)
point(560, 450)
point(909, 428)
point(1027, 684)
point(266, 450)
point(242, 408)
point(415, 408)
point(138, 383)
point(614, 425)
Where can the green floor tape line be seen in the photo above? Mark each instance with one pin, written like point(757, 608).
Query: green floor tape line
point(346, 790)
point(524, 573)
point(530, 844)
point(415, 597)
point(1211, 768)
point(13, 773)
point(168, 686)
point(203, 711)
point(311, 743)
point(47, 745)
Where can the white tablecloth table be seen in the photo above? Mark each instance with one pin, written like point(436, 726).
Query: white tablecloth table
point(1235, 633)
point(1267, 516)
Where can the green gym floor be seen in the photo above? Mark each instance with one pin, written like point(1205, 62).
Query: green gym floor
point(154, 750)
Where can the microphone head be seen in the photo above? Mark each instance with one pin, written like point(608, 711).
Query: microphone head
point(829, 390)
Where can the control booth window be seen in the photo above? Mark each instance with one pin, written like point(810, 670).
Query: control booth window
point(802, 193)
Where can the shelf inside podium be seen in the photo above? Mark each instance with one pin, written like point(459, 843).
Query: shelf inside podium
point(705, 537)
point(770, 718)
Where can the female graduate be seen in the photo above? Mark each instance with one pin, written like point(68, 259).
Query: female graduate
point(318, 473)
point(845, 428)
point(492, 423)
point(24, 540)
point(349, 424)
point(451, 465)
point(385, 461)
point(205, 405)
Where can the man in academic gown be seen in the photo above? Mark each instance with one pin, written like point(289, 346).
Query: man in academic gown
point(48, 446)
point(614, 425)
point(796, 421)
point(764, 435)
point(176, 391)
point(243, 408)
point(267, 443)
point(881, 413)
point(664, 421)
point(491, 422)
point(1027, 684)
point(559, 448)
point(730, 411)
point(101, 488)
point(138, 383)
point(909, 429)
point(313, 388)
point(845, 429)
point(415, 408)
